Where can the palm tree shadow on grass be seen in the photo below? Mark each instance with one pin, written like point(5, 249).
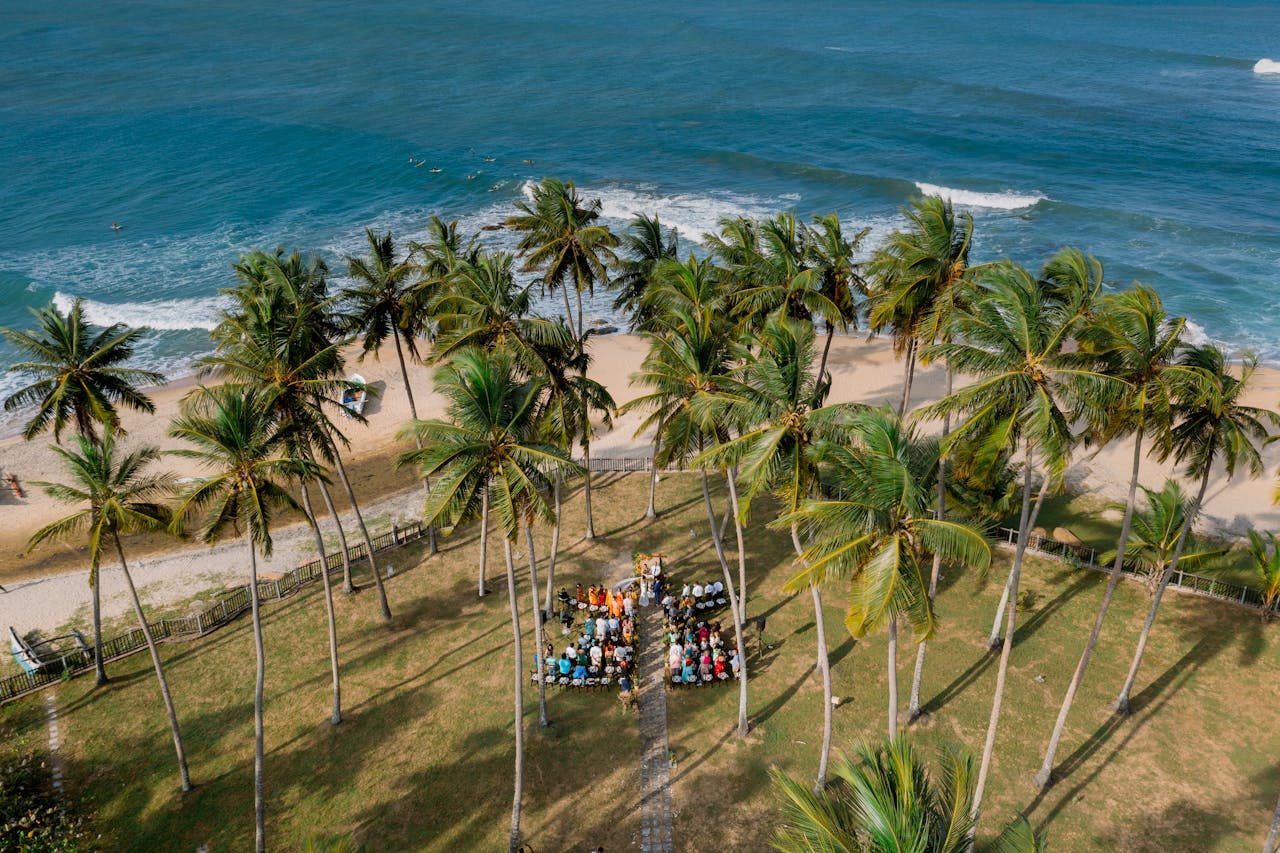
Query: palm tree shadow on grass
point(1027, 629)
point(1145, 707)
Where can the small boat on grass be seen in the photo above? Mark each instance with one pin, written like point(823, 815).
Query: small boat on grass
point(46, 655)
point(353, 399)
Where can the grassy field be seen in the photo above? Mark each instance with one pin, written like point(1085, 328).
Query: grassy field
point(424, 758)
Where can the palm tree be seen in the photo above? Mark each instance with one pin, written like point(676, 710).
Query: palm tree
point(237, 438)
point(378, 304)
point(489, 462)
point(878, 531)
point(841, 282)
point(1026, 393)
point(1264, 551)
point(890, 802)
point(776, 278)
point(919, 277)
point(784, 401)
point(285, 336)
point(645, 246)
point(562, 241)
point(570, 399)
point(1214, 426)
point(78, 379)
point(484, 307)
point(678, 288)
point(688, 373)
point(120, 498)
point(1155, 535)
point(1136, 342)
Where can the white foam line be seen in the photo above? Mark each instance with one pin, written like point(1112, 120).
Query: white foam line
point(1007, 200)
point(1266, 66)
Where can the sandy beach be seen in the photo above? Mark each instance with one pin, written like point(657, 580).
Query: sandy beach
point(48, 588)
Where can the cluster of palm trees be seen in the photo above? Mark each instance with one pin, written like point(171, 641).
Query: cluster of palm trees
point(735, 385)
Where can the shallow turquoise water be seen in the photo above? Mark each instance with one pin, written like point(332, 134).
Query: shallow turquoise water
point(1137, 131)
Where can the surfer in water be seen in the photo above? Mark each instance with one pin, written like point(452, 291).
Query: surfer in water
point(115, 226)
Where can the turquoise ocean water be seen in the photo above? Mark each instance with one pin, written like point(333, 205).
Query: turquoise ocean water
point(1138, 131)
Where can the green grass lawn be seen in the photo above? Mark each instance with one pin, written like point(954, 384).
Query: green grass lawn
point(424, 758)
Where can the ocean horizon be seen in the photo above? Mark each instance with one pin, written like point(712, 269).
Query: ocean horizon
point(1147, 134)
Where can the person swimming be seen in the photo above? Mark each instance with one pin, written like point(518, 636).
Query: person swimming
point(115, 226)
point(436, 170)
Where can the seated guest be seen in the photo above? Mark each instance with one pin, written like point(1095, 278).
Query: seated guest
point(718, 667)
point(565, 665)
point(563, 596)
point(583, 659)
point(688, 674)
point(579, 673)
point(675, 656)
point(704, 669)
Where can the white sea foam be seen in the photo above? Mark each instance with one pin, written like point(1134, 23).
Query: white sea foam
point(692, 215)
point(1008, 200)
point(1194, 333)
point(1266, 66)
point(195, 312)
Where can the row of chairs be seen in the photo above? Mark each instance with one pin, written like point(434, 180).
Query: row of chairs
point(677, 683)
point(564, 682)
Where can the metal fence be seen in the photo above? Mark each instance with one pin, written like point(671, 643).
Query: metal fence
point(226, 609)
point(1086, 557)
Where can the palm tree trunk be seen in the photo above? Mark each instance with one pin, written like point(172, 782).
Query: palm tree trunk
point(1122, 703)
point(413, 413)
point(555, 547)
point(1045, 776)
point(586, 491)
point(824, 666)
point(259, 800)
point(1002, 672)
point(994, 641)
point(910, 375)
point(578, 292)
point(1269, 846)
point(347, 586)
point(893, 676)
point(568, 313)
point(743, 726)
point(826, 348)
point(484, 536)
point(541, 652)
point(519, 698)
point(652, 511)
point(731, 479)
point(364, 531)
point(913, 704)
point(404, 373)
point(99, 665)
point(328, 603)
point(183, 774)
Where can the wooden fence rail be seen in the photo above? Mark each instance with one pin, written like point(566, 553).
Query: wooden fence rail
point(226, 609)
